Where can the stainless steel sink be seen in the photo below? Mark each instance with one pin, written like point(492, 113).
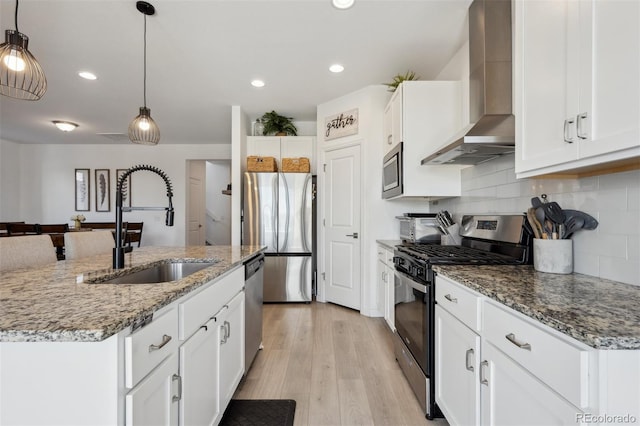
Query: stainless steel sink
point(165, 272)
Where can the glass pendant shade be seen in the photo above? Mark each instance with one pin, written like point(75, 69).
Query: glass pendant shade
point(21, 75)
point(143, 130)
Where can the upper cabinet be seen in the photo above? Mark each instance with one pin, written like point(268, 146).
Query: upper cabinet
point(423, 115)
point(577, 80)
point(282, 147)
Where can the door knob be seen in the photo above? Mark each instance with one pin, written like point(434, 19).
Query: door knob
point(354, 235)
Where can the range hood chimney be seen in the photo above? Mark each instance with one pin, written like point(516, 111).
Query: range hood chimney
point(492, 133)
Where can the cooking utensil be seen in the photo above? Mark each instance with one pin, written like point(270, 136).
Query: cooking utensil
point(535, 202)
point(542, 221)
point(448, 217)
point(590, 222)
point(572, 224)
point(531, 218)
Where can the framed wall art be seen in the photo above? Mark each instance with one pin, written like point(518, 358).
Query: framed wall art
point(82, 190)
point(103, 190)
point(126, 195)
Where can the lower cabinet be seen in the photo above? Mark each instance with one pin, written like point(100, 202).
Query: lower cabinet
point(512, 396)
point(457, 359)
point(494, 367)
point(154, 401)
point(385, 285)
point(199, 368)
point(231, 330)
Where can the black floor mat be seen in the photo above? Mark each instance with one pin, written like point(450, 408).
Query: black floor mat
point(259, 412)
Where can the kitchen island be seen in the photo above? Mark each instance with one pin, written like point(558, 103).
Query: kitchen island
point(72, 352)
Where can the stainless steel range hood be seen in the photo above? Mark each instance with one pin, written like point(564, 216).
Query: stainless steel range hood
point(492, 133)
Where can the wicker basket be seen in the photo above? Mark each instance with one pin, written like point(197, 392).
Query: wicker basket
point(261, 164)
point(296, 165)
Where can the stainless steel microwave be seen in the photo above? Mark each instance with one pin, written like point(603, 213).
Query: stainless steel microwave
point(392, 173)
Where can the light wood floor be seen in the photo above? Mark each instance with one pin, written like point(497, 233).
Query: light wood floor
point(338, 365)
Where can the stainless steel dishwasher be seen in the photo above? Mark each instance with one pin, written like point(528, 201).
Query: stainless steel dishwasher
point(253, 288)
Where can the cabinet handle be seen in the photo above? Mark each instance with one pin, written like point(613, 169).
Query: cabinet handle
point(178, 397)
point(580, 133)
point(512, 338)
point(223, 327)
point(469, 365)
point(483, 378)
point(354, 235)
point(227, 326)
point(567, 123)
point(450, 299)
point(384, 277)
point(165, 339)
point(390, 139)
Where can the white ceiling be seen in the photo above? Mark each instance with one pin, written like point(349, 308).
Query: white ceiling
point(203, 54)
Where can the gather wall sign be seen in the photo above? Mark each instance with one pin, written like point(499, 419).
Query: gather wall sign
point(342, 124)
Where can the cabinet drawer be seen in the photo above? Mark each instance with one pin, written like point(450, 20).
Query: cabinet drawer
point(463, 303)
point(555, 361)
point(198, 308)
point(148, 346)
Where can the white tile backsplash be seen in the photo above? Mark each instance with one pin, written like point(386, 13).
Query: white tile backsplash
point(612, 251)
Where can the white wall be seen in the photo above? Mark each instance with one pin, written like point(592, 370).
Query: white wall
point(378, 216)
point(45, 177)
point(218, 205)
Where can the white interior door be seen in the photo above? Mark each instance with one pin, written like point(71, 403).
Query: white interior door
point(196, 204)
point(342, 250)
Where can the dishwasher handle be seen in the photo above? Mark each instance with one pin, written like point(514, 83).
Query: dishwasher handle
point(253, 266)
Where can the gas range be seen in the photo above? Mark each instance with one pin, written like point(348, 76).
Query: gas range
point(486, 240)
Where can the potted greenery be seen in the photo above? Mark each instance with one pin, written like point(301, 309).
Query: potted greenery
point(399, 78)
point(276, 124)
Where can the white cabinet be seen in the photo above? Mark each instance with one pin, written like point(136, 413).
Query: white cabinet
point(423, 115)
point(282, 147)
point(577, 68)
point(212, 357)
point(511, 395)
point(230, 323)
point(385, 298)
point(457, 360)
point(496, 367)
point(199, 364)
point(154, 401)
point(457, 346)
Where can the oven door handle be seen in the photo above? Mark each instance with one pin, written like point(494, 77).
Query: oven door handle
point(407, 278)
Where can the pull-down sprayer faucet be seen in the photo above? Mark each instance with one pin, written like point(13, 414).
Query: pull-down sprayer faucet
point(121, 188)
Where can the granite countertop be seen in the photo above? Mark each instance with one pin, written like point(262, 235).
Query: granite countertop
point(600, 313)
point(389, 244)
point(54, 304)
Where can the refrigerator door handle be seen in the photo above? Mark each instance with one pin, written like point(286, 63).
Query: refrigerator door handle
point(285, 187)
point(306, 215)
point(274, 213)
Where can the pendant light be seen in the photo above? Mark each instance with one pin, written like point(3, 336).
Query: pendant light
point(143, 130)
point(21, 75)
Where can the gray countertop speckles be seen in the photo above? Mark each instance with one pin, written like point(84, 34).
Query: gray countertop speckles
point(600, 313)
point(53, 303)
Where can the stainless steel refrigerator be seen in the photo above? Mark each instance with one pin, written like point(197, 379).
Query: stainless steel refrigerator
point(277, 213)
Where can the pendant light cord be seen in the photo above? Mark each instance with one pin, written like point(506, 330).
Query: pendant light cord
point(144, 81)
point(16, 17)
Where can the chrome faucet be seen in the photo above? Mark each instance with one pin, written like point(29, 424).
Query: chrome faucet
point(121, 188)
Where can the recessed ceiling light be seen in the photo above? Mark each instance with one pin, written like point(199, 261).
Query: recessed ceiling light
point(342, 4)
point(87, 75)
point(336, 68)
point(65, 126)
point(257, 83)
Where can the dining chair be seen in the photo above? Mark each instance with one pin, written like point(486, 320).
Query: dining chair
point(133, 233)
point(54, 228)
point(23, 228)
point(29, 251)
point(78, 245)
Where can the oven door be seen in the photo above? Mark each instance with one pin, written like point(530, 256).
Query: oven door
point(392, 185)
point(412, 313)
